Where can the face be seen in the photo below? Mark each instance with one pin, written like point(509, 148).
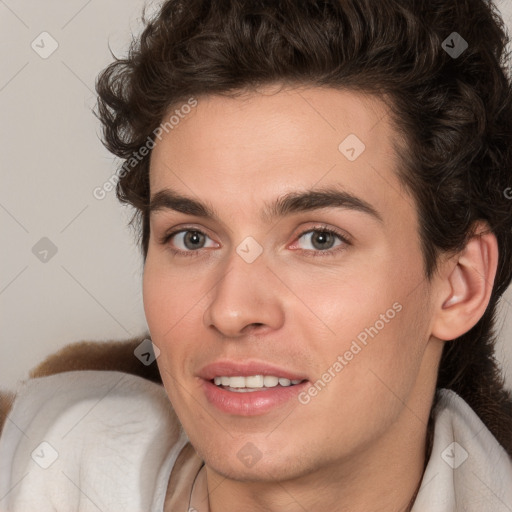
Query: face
point(325, 289)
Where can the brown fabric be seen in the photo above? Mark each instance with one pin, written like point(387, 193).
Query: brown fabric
point(98, 355)
point(6, 401)
point(187, 467)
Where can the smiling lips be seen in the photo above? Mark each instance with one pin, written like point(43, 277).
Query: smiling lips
point(249, 388)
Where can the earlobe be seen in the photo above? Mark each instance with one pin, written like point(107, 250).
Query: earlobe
point(469, 285)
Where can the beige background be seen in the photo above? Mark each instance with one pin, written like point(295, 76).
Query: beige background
point(51, 159)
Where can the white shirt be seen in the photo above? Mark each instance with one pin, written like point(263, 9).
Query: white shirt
point(89, 441)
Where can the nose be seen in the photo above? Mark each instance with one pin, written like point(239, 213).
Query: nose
point(246, 298)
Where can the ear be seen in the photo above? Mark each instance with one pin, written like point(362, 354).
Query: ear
point(466, 285)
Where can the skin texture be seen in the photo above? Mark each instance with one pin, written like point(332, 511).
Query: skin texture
point(359, 444)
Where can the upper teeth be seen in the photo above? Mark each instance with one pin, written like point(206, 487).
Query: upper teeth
point(254, 381)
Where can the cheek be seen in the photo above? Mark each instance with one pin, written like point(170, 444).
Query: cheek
point(388, 362)
point(171, 308)
point(151, 296)
point(160, 294)
point(372, 381)
point(159, 311)
point(374, 321)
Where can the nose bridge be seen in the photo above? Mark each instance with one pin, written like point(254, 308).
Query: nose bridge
point(242, 295)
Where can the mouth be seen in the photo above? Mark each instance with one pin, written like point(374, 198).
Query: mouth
point(243, 395)
point(250, 387)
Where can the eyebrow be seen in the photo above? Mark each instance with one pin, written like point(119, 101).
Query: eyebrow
point(288, 204)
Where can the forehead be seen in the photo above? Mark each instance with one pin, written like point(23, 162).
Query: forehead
point(258, 146)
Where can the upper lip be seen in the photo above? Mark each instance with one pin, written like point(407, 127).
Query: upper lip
point(226, 368)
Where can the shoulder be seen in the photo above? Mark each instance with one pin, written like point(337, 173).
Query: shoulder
point(467, 468)
point(108, 434)
point(89, 355)
point(455, 418)
point(102, 394)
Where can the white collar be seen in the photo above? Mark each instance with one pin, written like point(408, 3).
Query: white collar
point(468, 470)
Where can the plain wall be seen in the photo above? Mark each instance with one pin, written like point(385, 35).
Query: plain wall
point(51, 160)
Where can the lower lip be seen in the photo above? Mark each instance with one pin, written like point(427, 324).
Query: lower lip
point(250, 403)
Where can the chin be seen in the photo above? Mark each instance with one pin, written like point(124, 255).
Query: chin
point(248, 464)
point(260, 472)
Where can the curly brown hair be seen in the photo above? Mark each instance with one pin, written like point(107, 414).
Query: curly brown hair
point(453, 111)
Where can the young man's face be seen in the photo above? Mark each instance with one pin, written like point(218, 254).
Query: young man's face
point(352, 319)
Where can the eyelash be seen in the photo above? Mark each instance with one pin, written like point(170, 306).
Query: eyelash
point(308, 252)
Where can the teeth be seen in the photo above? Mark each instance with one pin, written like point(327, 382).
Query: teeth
point(237, 382)
point(270, 381)
point(254, 381)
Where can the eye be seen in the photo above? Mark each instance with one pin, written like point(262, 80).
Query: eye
point(187, 240)
point(322, 240)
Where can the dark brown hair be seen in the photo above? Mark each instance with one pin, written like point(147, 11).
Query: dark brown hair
point(452, 114)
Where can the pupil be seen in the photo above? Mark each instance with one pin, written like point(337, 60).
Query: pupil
point(193, 235)
point(322, 237)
